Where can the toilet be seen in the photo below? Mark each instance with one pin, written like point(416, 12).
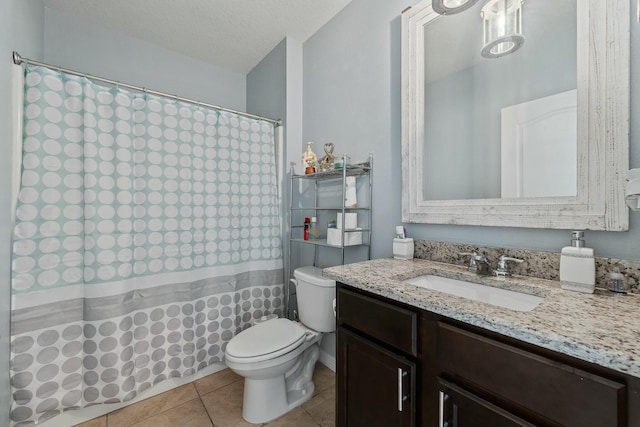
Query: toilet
point(277, 356)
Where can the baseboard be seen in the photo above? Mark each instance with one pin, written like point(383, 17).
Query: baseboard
point(327, 360)
point(79, 416)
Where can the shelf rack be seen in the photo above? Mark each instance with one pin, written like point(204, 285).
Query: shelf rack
point(313, 207)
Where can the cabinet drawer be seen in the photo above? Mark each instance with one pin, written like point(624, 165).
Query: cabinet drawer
point(395, 326)
point(562, 393)
point(460, 408)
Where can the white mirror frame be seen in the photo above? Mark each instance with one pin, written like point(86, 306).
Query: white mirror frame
point(603, 132)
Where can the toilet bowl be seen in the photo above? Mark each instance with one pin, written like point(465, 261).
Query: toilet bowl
point(277, 357)
point(278, 374)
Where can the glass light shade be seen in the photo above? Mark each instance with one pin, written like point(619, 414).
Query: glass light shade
point(449, 7)
point(502, 23)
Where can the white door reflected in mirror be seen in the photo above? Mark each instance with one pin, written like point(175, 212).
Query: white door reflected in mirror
point(538, 151)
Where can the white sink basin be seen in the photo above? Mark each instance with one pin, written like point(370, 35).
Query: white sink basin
point(513, 300)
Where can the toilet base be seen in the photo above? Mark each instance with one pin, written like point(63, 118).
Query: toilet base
point(267, 399)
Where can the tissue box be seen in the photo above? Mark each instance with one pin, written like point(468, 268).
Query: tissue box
point(350, 221)
point(334, 237)
point(403, 248)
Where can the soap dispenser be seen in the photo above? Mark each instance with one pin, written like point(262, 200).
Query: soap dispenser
point(577, 265)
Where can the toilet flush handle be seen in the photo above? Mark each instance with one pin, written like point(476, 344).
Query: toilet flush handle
point(310, 335)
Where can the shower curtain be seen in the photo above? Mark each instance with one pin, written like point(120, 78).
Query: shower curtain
point(147, 234)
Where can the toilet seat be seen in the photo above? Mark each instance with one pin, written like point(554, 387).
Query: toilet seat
point(266, 340)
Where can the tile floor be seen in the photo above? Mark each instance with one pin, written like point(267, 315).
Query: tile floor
point(216, 401)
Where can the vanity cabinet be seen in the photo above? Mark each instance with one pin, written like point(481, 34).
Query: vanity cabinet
point(460, 375)
point(376, 352)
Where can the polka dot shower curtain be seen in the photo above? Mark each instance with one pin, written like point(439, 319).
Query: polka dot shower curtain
point(146, 235)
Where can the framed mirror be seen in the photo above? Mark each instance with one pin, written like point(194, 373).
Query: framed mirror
point(521, 123)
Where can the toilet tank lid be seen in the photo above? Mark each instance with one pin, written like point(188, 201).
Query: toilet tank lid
point(314, 276)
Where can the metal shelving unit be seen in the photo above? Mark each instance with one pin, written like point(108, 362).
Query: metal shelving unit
point(307, 203)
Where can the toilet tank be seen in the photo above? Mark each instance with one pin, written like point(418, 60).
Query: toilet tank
point(315, 299)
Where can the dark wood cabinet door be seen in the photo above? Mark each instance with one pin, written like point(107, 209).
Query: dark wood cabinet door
point(375, 387)
point(460, 408)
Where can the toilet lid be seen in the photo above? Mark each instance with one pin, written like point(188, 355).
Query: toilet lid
point(266, 337)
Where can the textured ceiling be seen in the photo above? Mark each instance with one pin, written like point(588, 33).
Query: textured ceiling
point(233, 34)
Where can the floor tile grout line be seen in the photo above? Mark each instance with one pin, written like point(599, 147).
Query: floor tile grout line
point(200, 396)
point(205, 409)
point(215, 389)
point(192, 384)
point(312, 417)
point(208, 414)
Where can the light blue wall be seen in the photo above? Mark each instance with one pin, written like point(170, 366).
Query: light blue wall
point(267, 97)
point(273, 90)
point(80, 45)
point(352, 98)
point(266, 85)
point(21, 29)
point(295, 76)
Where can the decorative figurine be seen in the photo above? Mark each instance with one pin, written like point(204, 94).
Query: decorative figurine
point(309, 160)
point(326, 162)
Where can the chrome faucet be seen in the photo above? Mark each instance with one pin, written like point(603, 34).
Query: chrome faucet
point(480, 264)
point(503, 266)
point(483, 265)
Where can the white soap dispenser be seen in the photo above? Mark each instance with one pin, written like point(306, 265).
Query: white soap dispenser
point(577, 266)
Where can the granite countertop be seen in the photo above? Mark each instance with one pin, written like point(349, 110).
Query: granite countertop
point(600, 328)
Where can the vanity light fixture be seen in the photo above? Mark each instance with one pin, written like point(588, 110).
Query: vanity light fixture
point(502, 24)
point(450, 7)
point(632, 193)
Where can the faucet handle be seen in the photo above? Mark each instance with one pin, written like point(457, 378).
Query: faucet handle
point(503, 266)
point(471, 254)
point(508, 258)
point(474, 256)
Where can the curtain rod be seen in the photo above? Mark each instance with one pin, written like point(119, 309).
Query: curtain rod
point(19, 60)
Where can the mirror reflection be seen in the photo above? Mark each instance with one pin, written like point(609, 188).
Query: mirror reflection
point(502, 124)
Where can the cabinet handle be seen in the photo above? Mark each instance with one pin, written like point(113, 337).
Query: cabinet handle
point(401, 396)
point(443, 397)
